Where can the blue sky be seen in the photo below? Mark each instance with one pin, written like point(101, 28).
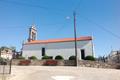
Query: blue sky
point(97, 18)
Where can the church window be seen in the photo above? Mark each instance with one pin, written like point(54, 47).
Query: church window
point(82, 54)
point(43, 51)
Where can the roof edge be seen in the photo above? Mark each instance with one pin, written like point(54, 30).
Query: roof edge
point(85, 38)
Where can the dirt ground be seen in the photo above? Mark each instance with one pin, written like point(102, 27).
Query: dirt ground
point(62, 73)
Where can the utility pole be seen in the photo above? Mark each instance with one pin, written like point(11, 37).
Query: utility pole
point(75, 40)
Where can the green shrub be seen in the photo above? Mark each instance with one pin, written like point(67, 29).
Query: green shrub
point(72, 58)
point(21, 57)
point(33, 58)
point(47, 57)
point(91, 58)
point(59, 57)
point(3, 61)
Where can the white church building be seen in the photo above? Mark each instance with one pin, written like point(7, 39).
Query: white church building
point(53, 47)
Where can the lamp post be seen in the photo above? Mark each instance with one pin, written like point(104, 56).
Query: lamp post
point(75, 39)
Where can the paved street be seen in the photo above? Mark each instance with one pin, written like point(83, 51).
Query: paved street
point(62, 73)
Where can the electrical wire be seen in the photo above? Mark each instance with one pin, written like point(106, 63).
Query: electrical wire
point(77, 5)
point(55, 10)
point(60, 10)
point(101, 27)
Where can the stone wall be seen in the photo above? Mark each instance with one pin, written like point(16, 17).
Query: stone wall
point(82, 63)
point(33, 62)
point(94, 64)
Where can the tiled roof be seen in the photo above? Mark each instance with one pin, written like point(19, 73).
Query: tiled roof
point(59, 40)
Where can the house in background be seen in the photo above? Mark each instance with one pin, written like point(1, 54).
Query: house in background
point(6, 53)
point(114, 56)
point(53, 47)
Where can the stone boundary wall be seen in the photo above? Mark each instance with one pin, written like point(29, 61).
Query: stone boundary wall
point(82, 63)
point(95, 64)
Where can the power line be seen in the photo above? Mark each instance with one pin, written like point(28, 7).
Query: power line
point(46, 8)
point(59, 29)
point(78, 5)
point(98, 25)
point(57, 11)
point(29, 5)
point(102, 28)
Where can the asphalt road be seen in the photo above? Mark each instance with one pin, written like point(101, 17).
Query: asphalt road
point(62, 73)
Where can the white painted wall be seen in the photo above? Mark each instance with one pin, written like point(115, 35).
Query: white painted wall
point(6, 56)
point(65, 49)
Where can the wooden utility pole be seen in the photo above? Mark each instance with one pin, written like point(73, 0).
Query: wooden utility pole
point(75, 39)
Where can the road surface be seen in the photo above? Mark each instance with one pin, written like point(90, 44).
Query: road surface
point(62, 73)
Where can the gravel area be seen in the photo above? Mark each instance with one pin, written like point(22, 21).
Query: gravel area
point(62, 73)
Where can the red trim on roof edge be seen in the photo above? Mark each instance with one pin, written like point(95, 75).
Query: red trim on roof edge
point(59, 40)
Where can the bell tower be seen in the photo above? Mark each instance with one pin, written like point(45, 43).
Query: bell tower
point(32, 33)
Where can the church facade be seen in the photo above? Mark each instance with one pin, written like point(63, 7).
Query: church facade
point(53, 47)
